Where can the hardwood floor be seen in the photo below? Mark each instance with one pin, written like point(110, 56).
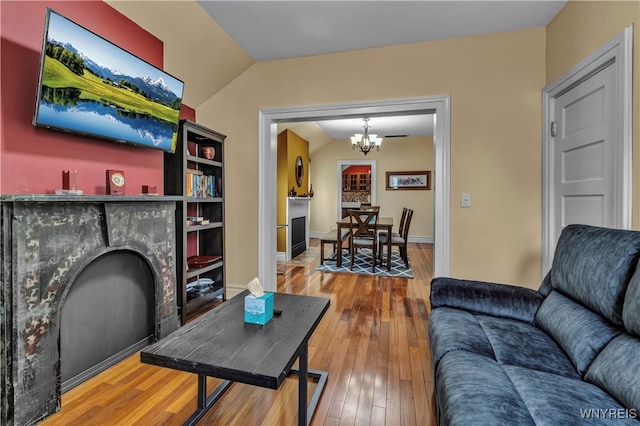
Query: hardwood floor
point(373, 341)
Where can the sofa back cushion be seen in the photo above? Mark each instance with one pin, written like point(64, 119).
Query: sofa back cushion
point(580, 332)
point(593, 266)
point(617, 370)
point(631, 307)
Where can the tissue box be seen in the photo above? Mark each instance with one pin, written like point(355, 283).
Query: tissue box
point(258, 310)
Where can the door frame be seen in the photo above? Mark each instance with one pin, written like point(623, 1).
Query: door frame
point(341, 164)
point(617, 50)
point(267, 169)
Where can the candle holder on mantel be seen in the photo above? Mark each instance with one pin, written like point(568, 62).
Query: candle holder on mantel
point(311, 191)
point(69, 183)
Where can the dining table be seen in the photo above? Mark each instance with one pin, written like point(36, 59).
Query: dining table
point(384, 223)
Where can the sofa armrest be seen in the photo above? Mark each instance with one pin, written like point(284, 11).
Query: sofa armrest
point(500, 300)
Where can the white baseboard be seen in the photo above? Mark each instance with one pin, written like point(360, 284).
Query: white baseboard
point(281, 256)
point(420, 239)
point(233, 289)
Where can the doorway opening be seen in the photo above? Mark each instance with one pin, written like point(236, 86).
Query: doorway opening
point(356, 185)
point(438, 106)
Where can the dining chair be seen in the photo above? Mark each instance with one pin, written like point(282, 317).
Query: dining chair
point(331, 238)
point(400, 241)
point(363, 227)
point(399, 233)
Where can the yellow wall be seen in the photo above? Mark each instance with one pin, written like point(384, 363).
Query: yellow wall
point(290, 146)
point(581, 28)
point(396, 154)
point(296, 146)
point(495, 84)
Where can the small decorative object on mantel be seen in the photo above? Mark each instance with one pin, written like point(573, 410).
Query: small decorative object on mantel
point(293, 192)
point(69, 183)
point(115, 182)
point(69, 179)
point(208, 152)
point(311, 191)
point(149, 190)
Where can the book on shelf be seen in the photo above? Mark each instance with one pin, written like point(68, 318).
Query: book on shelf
point(201, 186)
point(197, 220)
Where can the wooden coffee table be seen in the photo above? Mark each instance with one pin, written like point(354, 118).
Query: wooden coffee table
point(219, 344)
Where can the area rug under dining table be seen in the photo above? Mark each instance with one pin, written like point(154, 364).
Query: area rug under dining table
point(362, 265)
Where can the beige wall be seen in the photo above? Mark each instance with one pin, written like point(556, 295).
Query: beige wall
point(494, 82)
point(581, 28)
point(396, 154)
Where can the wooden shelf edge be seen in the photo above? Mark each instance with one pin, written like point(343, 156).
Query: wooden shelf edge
point(203, 161)
point(213, 225)
point(200, 271)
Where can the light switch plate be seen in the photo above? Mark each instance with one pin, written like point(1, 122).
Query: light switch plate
point(465, 199)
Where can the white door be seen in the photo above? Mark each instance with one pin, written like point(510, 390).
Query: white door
point(586, 144)
point(584, 151)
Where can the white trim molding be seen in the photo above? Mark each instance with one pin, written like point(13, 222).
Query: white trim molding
point(267, 153)
point(617, 50)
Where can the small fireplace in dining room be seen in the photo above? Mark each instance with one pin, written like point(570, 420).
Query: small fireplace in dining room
point(298, 212)
point(298, 236)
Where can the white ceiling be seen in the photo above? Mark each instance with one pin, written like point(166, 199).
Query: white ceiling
point(405, 125)
point(269, 30)
point(265, 30)
point(284, 29)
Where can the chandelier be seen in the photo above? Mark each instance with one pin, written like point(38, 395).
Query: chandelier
point(365, 142)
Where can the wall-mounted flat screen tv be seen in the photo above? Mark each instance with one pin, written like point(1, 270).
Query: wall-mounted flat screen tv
point(90, 86)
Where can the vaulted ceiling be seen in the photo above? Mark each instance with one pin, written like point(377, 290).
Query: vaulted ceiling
point(209, 43)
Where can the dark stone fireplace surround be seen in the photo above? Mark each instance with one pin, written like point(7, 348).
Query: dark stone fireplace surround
point(47, 240)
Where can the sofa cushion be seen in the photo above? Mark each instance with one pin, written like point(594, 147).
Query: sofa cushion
point(617, 370)
point(474, 390)
point(631, 307)
point(553, 400)
point(593, 265)
point(522, 344)
point(580, 332)
point(456, 330)
point(505, 340)
point(501, 300)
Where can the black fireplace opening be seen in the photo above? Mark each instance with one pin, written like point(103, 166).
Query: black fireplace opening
point(107, 316)
point(298, 236)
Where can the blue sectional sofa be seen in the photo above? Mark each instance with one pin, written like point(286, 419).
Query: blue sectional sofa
point(568, 353)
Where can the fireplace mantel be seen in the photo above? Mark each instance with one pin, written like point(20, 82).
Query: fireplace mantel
point(47, 240)
point(51, 198)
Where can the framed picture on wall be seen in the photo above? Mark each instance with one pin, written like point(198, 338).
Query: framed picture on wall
point(408, 180)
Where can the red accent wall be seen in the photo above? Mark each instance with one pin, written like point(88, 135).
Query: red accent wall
point(32, 158)
point(357, 169)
